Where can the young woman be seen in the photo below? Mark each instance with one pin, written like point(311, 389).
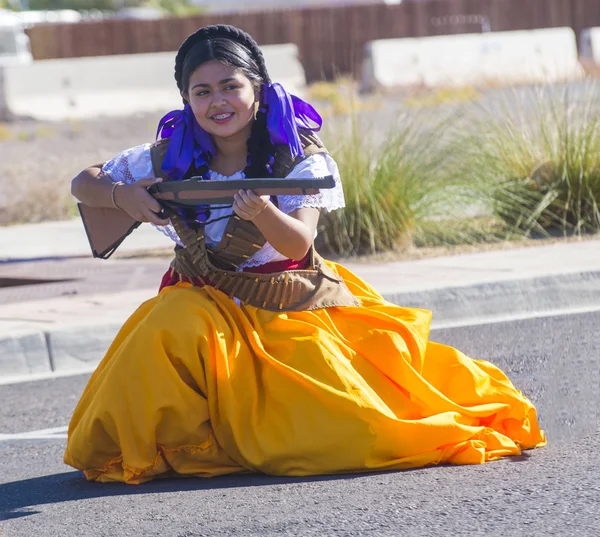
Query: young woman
point(257, 355)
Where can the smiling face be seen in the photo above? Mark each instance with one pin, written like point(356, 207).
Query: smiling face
point(222, 99)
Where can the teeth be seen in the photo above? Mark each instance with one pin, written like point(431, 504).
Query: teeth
point(222, 116)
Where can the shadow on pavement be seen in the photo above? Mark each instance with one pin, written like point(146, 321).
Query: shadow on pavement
point(17, 497)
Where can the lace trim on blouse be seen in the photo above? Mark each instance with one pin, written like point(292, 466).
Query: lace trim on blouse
point(135, 164)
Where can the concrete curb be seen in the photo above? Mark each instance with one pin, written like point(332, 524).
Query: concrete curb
point(507, 297)
point(81, 347)
point(66, 348)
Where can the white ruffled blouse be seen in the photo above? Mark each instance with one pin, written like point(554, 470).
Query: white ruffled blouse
point(135, 164)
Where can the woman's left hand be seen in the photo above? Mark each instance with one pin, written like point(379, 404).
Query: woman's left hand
point(248, 205)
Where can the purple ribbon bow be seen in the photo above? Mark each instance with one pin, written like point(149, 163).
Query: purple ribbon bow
point(285, 114)
point(189, 142)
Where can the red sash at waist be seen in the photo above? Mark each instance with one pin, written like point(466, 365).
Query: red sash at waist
point(276, 266)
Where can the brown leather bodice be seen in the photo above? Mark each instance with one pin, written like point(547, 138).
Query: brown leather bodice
point(317, 286)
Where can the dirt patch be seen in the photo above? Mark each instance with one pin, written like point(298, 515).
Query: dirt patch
point(38, 161)
point(414, 253)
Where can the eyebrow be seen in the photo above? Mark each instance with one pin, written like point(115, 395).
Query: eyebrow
point(221, 82)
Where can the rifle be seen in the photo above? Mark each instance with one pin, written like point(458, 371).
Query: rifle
point(107, 228)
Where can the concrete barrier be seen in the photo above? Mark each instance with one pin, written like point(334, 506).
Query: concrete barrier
point(114, 85)
point(532, 56)
point(589, 50)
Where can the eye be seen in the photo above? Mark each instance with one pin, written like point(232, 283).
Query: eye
point(231, 87)
point(201, 93)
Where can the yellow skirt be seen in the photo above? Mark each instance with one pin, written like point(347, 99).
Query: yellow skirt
point(196, 385)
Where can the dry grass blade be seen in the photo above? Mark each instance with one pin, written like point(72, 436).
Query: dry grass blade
point(394, 186)
point(536, 155)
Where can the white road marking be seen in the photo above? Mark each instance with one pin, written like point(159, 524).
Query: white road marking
point(41, 434)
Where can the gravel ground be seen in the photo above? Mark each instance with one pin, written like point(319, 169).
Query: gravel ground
point(38, 161)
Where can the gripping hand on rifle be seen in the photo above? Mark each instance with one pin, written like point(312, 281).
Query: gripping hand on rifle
point(137, 203)
point(248, 205)
point(97, 189)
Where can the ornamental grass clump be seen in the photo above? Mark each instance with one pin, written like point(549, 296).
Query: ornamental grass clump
point(535, 157)
point(394, 182)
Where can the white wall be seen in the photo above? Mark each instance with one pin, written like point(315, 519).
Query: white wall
point(589, 46)
point(547, 55)
point(114, 85)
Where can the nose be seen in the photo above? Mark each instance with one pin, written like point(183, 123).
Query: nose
point(218, 99)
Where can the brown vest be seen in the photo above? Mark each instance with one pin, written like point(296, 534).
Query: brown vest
point(293, 290)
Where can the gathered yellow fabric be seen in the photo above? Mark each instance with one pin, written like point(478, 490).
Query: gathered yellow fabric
point(195, 384)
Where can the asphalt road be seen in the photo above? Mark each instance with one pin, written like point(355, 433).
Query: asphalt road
point(551, 491)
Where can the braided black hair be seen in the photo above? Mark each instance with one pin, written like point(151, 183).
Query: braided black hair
point(234, 47)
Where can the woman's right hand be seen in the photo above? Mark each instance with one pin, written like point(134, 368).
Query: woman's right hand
point(137, 203)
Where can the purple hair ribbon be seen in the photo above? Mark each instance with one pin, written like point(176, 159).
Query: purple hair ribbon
point(189, 142)
point(285, 114)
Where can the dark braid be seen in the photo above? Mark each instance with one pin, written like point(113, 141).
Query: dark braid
point(224, 31)
point(260, 147)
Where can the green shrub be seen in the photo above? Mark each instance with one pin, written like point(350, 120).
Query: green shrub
point(535, 156)
point(394, 188)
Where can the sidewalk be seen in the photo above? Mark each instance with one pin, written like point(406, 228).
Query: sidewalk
point(65, 239)
point(55, 327)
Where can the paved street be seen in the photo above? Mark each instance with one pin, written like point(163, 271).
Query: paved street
point(551, 491)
